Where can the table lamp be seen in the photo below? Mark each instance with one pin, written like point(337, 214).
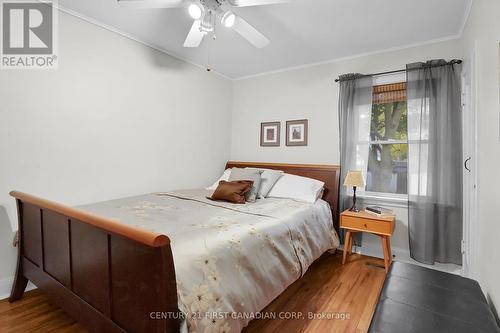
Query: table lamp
point(354, 178)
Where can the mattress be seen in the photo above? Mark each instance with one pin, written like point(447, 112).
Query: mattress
point(230, 260)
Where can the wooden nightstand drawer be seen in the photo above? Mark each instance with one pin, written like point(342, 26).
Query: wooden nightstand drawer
point(354, 222)
point(363, 224)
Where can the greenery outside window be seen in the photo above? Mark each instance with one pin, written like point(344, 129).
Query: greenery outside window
point(388, 145)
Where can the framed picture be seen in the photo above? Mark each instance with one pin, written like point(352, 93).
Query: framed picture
point(270, 134)
point(296, 132)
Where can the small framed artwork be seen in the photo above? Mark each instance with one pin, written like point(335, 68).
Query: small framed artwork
point(270, 134)
point(296, 132)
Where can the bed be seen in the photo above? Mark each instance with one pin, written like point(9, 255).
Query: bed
point(173, 261)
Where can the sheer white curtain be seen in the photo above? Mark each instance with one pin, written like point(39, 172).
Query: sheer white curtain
point(355, 105)
point(435, 162)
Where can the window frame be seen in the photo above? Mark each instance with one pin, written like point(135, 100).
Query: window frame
point(386, 196)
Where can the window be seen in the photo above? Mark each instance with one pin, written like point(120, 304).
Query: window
point(388, 144)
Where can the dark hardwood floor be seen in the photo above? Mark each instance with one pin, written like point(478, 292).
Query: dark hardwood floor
point(341, 298)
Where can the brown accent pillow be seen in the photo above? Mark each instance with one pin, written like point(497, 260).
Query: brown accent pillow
point(232, 191)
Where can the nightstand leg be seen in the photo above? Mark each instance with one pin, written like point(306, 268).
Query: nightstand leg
point(350, 242)
point(389, 249)
point(386, 253)
point(347, 241)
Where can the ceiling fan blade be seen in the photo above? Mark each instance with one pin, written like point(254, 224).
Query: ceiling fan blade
point(195, 35)
point(152, 3)
point(251, 34)
point(246, 3)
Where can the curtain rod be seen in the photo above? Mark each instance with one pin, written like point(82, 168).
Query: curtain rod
point(452, 62)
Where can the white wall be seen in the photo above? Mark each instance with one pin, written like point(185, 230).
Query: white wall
point(116, 119)
point(483, 33)
point(309, 93)
point(312, 93)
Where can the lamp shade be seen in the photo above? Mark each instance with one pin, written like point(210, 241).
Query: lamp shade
point(354, 178)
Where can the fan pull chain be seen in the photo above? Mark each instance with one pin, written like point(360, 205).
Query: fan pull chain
point(211, 41)
point(209, 66)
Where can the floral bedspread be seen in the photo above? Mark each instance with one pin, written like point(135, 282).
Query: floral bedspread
point(230, 260)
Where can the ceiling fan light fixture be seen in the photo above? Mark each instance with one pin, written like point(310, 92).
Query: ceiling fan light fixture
point(195, 11)
point(228, 19)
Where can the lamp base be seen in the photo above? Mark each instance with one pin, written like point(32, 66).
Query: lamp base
point(354, 208)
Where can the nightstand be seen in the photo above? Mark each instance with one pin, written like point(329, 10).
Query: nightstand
point(354, 222)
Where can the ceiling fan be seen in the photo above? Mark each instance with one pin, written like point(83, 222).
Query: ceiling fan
point(206, 15)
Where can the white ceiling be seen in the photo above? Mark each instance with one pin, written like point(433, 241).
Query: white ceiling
point(301, 32)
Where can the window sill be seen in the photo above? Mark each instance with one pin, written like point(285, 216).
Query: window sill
point(392, 201)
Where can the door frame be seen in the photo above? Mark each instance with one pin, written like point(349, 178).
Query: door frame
point(469, 112)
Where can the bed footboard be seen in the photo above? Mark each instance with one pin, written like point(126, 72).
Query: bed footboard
point(106, 275)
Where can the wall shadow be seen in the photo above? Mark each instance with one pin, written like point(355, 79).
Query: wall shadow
point(165, 61)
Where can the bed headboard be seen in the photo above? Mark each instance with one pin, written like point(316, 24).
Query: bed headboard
point(328, 173)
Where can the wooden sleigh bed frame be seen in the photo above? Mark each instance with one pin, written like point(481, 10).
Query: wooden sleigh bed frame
point(108, 276)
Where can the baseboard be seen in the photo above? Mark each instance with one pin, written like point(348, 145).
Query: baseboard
point(6, 285)
point(398, 254)
point(404, 256)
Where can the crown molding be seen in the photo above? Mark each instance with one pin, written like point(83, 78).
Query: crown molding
point(281, 70)
point(352, 57)
point(129, 36)
point(459, 35)
point(468, 10)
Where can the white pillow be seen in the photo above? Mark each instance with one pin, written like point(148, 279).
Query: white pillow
point(297, 188)
point(225, 176)
point(253, 175)
point(269, 177)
